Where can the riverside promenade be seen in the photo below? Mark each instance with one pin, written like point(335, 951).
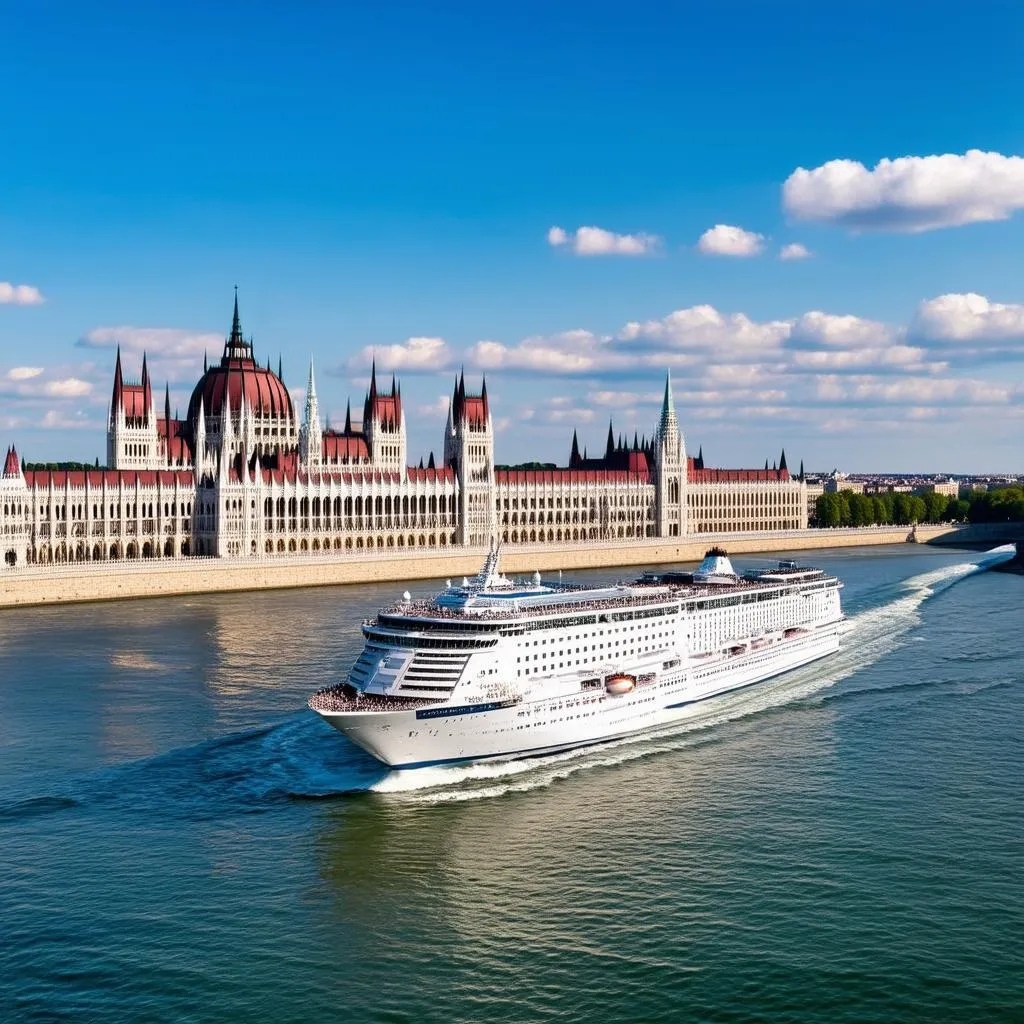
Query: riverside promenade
point(108, 581)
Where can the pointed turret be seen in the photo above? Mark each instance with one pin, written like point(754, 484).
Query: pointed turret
point(574, 455)
point(636, 442)
point(782, 462)
point(430, 462)
point(801, 470)
point(483, 396)
point(117, 400)
point(147, 389)
point(311, 434)
point(373, 380)
point(280, 367)
point(12, 467)
point(700, 457)
point(609, 448)
point(348, 417)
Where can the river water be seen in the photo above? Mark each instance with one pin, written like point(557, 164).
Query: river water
point(180, 840)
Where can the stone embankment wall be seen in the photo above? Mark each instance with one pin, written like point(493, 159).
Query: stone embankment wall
point(104, 581)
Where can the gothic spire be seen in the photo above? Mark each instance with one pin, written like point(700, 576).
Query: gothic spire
point(782, 462)
point(118, 384)
point(609, 448)
point(373, 380)
point(236, 324)
point(574, 455)
point(348, 417)
point(801, 469)
point(430, 462)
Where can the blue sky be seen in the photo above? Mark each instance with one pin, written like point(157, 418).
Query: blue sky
point(371, 174)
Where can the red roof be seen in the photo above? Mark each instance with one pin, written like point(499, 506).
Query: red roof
point(570, 476)
point(97, 478)
point(175, 446)
point(11, 465)
point(344, 447)
point(734, 476)
point(133, 401)
point(416, 474)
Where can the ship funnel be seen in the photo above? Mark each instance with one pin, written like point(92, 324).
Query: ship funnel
point(716, 568)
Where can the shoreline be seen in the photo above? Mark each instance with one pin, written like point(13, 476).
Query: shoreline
point(105, 581)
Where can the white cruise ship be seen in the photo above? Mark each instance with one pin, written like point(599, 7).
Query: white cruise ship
point(495, 669)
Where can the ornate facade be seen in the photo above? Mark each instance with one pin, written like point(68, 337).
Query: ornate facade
point(241, 477)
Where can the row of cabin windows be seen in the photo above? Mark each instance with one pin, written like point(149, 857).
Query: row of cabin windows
point(621, 642)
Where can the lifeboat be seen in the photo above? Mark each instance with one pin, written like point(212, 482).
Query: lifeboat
point(620, 684)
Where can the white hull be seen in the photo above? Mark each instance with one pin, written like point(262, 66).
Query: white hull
point(458, 732)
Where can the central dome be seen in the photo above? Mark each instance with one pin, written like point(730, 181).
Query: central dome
point(238, 377)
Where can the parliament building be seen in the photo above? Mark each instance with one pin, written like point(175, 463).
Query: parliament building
point(240, 477)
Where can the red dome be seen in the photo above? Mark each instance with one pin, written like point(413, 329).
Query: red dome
point(239, 377)
point(263, 391)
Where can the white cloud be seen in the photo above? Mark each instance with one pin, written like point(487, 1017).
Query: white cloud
point(70, 387)
point(571, 353)
point(56, 419)
point(699, 328)
point(173, 352)
point(414, 355)
point(436, 408)
point(839, 331)
point(19, 384)
point(19, 294)
point(727, 240)
point(795, 251)
point(911, 193)
point(971, 319)
point(594, 241)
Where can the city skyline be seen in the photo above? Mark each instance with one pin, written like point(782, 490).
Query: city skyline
point(838, 274)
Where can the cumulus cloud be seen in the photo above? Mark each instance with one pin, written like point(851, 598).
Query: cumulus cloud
point(727, 240)
point(59, 419)
point(911, 193)
point(699, 328)
point(29, 382)
point(173, 352)
point(570, 353)
point(839, 331)
point(795, 251)
point(594, 241)
point(435, 408)
point(970, 318)
point(414, 355)
point(19, 294)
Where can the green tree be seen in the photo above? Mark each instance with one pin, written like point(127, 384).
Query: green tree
point(935, 506)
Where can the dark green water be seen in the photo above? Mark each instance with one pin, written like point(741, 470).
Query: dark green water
point(180, 841)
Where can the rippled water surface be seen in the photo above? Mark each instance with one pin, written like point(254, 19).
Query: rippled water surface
point(179, 840)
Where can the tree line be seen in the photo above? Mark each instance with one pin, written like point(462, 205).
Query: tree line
point(1003, 505)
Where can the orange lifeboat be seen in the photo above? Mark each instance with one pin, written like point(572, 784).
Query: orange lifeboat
point(620, 684)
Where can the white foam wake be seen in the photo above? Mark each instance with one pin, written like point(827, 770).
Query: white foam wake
point(869, 635)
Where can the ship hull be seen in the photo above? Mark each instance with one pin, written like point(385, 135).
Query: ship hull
point(460, 734)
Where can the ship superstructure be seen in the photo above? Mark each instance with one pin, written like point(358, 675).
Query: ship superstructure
point(495, 668)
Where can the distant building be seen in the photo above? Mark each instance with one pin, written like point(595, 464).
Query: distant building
point(950, 488)
point(240, 477)
point(836, 482)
